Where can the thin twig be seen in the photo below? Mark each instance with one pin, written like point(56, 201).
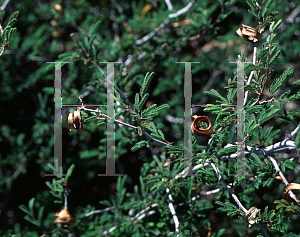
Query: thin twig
point(96, 212)
point(267, 77)
point(115, 28)
point(4, 5)
point(123, 123)
point(152, 34)
point(169, 5)
point(251, 74)
point(183, 10)
point(20, 168)
point(290, 192)
point(175, 218)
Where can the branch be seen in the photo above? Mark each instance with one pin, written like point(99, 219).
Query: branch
point(183, 10)
point(169, 5)
point(247, 212)
point(175, 218)
point(151, 34)
point(4, 5)
point(120, 122)
point(251, 74)
point(290, 192)
point(96, 212)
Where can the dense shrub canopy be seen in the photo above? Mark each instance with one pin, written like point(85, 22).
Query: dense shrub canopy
point(148, 36)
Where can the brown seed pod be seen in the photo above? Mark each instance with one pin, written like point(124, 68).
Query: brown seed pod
point(64, 217)
point(251, 215)
point(70, 122)
point(248, 33)
point(77, 123)
point(292, 186)
point(196, 128)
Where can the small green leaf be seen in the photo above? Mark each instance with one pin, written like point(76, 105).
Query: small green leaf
point(138, 145)
point(142, 102)
point(214, 93)
point(290, 166)
point(266, 7)
point(49, 185)
point(24, 209)
point(83, 114)
point(227, 150)
point(274, 26)
point(297, 82)
point(140, 131)
point(136, 101)
point(94, 117)
point(101, 121)
point(267, 115)
point(146, 83)
point(105, 203)
point(156, 136)
point(70, 171)
point(94, 28)
point(118, 114)
point(14, 15)
point(160, 224)
point(161, 133)
point(30, 219)
point(30, 205)
point(40, 215)
point(253, 13)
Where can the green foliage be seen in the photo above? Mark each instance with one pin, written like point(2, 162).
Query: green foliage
point(30, 214)
point(149, 40)
point(278, 82)
point(229, 208)
point(214, 93)
point(7, 32)
point(138, 145)
point(146, 83)
point(227, 150)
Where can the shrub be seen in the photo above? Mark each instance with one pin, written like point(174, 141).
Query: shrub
point(156, 197)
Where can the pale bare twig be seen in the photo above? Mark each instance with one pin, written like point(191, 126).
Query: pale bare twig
point(183, 10)
point(175, 218)
point(169, 5)
point(290, 192)
point(2, 8)
point(152, 33)
point(123, 123)
point(251, 74)
point(96, 212)
point(162, 25)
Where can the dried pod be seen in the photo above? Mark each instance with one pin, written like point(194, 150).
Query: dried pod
point(292, 186)
point(64, 217)
point(196, 127)
point(278, 178)
point(70, 122)
point(248, 33)
point(251, 215)
point(167, 162)
point(58, 8)
point(78, 122)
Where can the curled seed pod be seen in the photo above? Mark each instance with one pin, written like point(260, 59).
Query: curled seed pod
point(78, 122)
point(196, 128)
point(64, 217)
point(70, 122)
point(248, 33)
point(292, 186)
point(251, 215)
